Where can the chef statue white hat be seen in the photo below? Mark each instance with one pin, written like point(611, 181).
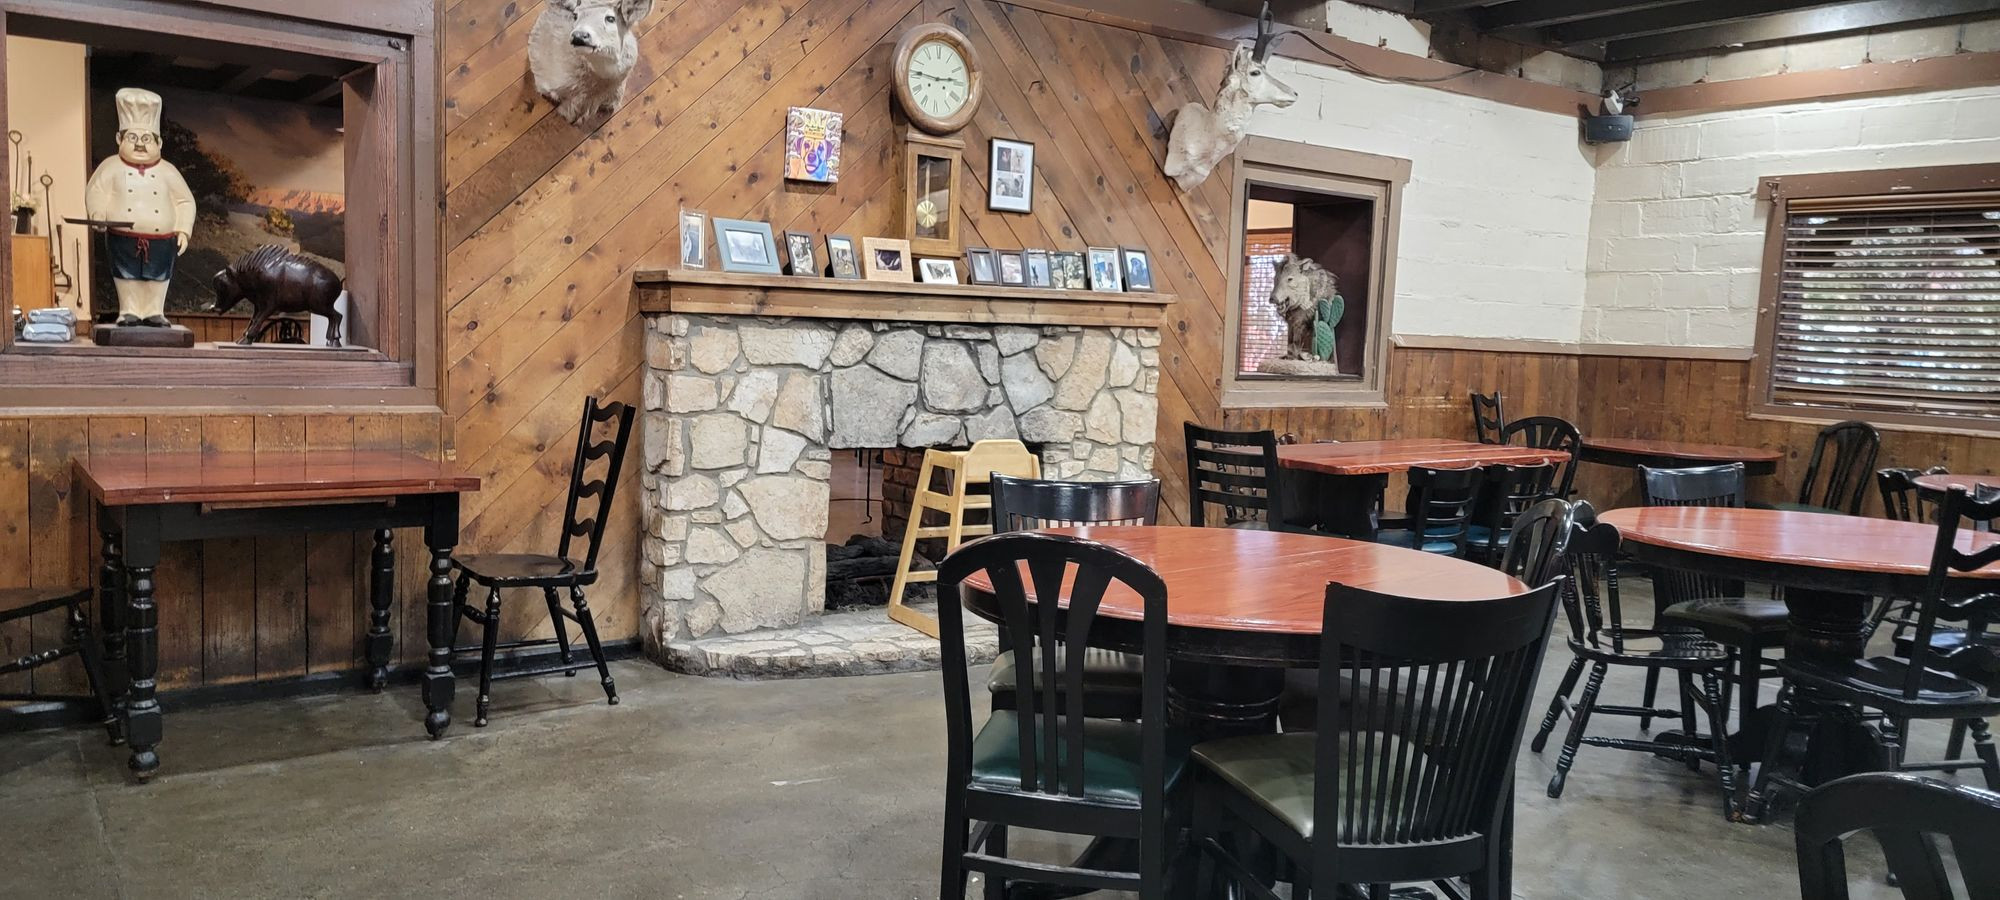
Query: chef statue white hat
point(138, 110)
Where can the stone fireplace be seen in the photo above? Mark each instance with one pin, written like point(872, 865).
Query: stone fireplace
point(743, 413)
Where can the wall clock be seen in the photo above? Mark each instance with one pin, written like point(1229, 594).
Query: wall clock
point(937, 77)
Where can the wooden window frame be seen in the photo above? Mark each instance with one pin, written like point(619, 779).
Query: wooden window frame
point(394, 234)
point(1323, 170)
point(1779, 191)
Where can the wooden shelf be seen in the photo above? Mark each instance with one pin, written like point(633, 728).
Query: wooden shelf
point(699, 292)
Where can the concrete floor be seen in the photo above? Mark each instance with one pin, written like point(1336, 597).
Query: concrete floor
point(692, 788)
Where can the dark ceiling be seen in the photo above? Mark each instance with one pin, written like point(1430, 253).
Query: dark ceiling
point(1624, 31)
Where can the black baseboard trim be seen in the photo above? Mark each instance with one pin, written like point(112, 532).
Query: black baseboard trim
point(31, 716)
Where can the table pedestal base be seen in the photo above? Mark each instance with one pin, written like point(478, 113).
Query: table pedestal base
point(1811, 740)
point(1213, 700)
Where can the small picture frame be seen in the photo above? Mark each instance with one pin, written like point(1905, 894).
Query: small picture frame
point(1068, 271)
point(799, 250)
point(1039, 273)
point(744, 246)
point(1104, 270)
point(1013, 267)
point(842, 259)
point(980, 267)
point(1138, 268)
point(694, 239)
point(886, 259)
point(938, 271)
point(1010, 178)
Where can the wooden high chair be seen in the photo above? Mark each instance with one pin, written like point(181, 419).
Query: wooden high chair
point(967, 467)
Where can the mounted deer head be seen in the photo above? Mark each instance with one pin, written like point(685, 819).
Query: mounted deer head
point(1203, 137)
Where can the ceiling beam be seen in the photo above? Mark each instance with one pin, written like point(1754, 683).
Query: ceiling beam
point(1543, 13)
point(1433, 7)
point(322, 94)
point(1826, 22)
point(1678, 17)
point(245, 76)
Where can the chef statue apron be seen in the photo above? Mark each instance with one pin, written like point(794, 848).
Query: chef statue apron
point(139, 187)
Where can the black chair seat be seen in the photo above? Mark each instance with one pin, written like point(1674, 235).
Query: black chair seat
point(523, 570)
point(1733, 620)
point(1955, 651)
point(1676, 650)
point(1112, 767)
point(1276, 770)
point(1103, 670)
point(1877, 681)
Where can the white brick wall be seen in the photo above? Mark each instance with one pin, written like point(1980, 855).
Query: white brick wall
point(1497, 211)
point(1676, 235)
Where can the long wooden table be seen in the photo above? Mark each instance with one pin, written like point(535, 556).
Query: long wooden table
point(144, 500)
point(1335, 486)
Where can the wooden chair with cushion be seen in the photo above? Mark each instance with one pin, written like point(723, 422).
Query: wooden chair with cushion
point(1599, 639)
point(1422, 704)
point(1439, 508)
point(1238, 471)
point(593, 479)
point(1549, 433)
point(21, 604)
point(1048, 766)
point(1907, 815)
point(1714, 607)
point(1837, 473)
point(1110, 678)
point(1489, 418)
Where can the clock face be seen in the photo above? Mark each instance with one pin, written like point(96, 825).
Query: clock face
point(939, 81)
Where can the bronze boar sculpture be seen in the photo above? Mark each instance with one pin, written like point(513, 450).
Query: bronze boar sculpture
point(277, 280)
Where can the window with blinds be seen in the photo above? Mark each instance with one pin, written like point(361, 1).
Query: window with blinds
point(1889, 305)
point(1262, 332)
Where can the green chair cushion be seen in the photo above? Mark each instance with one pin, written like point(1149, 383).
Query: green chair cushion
point(1103, 670)
point(1112, 766)
point(1276, 771)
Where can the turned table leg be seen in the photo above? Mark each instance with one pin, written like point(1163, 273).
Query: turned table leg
point(440, 535)
point(381, 597)
point(111, 612)
point(143, 717)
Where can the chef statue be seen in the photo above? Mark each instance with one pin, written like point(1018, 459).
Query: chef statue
point(139, 187)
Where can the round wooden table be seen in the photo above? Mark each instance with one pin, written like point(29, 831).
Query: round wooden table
point(1937, 485)
point(1633, 452)
point(1243, 605)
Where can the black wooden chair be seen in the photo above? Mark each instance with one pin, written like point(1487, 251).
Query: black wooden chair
point(1906, 814)
point(1925, 683)
point(1599, 638)
point(1549, 433)
point(1902, 500)
point(552, 574)
point(1422, 704)
point(1839, 483)
point(1110, 678)
point(1509, 491)
point(20, 604)
point(1715, 607)
point(1238, 471)
point(1489, 418)
point(1047, 766)
point(1439, 508)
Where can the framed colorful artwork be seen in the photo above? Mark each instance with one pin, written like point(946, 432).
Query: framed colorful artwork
point(812, 145)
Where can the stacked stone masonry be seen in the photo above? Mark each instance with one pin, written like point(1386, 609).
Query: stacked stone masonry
point(742, 416)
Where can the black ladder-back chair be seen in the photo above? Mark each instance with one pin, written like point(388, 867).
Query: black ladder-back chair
point(561, 572)
point(1599, 638)
point(1047, 766)
point(1237, 470)
point(1439, 511)
point(1110, 678)
point(1926, 683)
point(1509, 492)
point(1715, 607)
point(1549, 433)
point(1422, 704)
point(1903, 501)
point(20, 604)
point(1486, 429)
point(1853, 446)
point(1904, 812)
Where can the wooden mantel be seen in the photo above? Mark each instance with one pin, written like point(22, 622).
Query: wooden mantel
point(698, 292)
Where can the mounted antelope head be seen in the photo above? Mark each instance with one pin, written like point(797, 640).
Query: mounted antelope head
point(580, 52)
point(1203, 137)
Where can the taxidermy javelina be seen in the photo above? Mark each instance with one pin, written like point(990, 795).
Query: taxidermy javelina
point(580, 52)
point(277, 280)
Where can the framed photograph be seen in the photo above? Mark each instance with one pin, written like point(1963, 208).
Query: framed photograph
point(980, 267)
point(1010, 181)
point(694, 239)
point(812, 145)
point(1013, 267)
point(1104, 274)
point(1039, 274)
point(799, 249)
point(843, 261)
point(885, 259)
point(938, 271)
point(1138, 269)
point(746, 246)
point(1067, 271)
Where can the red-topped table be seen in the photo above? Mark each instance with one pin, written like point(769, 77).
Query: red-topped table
point(1939, 484)
point(144, 500)
point(1336, 487)
point(1633, 452)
